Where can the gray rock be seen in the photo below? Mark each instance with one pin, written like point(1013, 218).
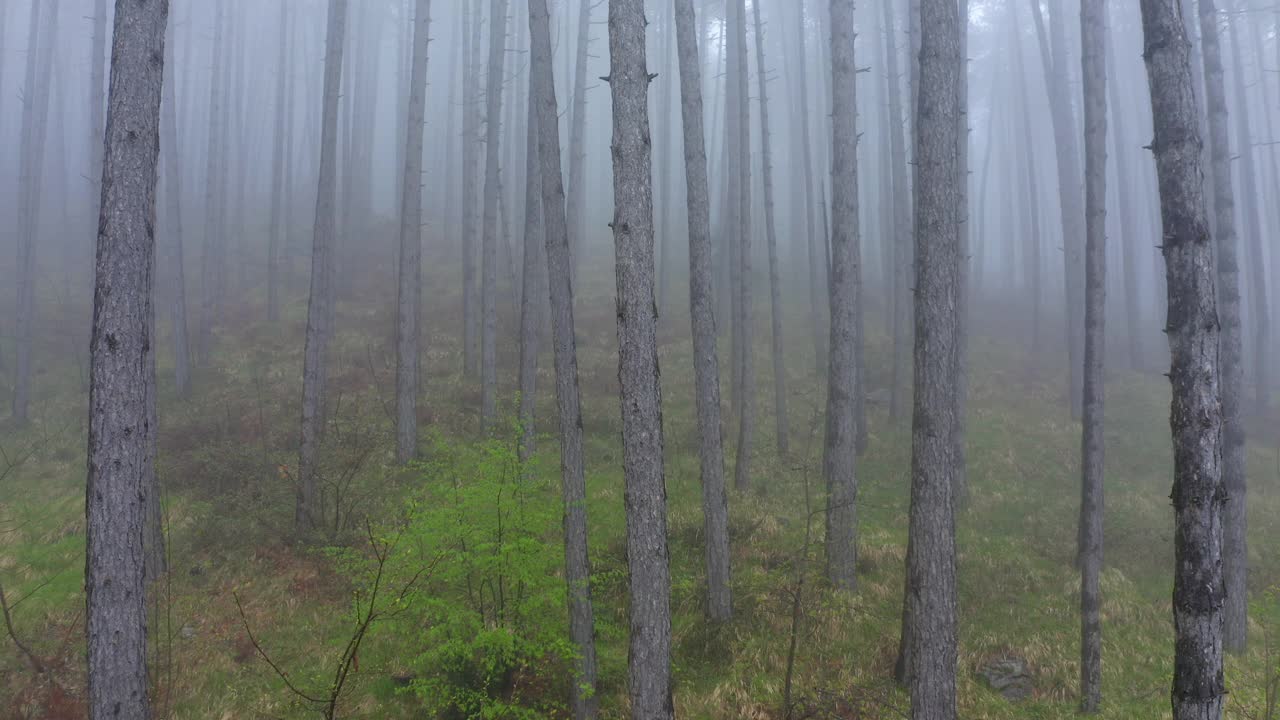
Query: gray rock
point(187, 632)
point(1010, 676)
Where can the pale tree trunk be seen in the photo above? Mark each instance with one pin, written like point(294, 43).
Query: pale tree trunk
point(470, 161)
point(809, 239)
point(282, 129)
point(1053, 55)
point(577, 574)
point(409, 288)
point(1031, 231)
point(211, 254)
point(577, 137)
point(533, 287)
point(122, 370)
point(902, 223)
point(701, 309)
point(489, 240)
point(35, 113)
point(1230, 356)
point(1257, 282)
point(97, 101)
point(745, 397)
point(839, 450)
point(665, 176)
point(771, 236)
point(1093, 31)
point(931, 550)
point(1195, 416)
point(170, 148)
point(646, 494)
point(320, 305)
point(1129, 235)
point(960, 477)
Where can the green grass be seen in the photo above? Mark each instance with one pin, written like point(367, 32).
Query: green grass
point(229, 512)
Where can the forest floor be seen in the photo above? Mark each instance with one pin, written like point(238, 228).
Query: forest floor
point(226, 454)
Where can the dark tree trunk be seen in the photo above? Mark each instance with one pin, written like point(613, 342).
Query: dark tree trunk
point(122, 370)
point(839, 451)
point(560, 277)
point(1230, 354)
point(409, 286)
point(1195, 417)
point(1094, 64)
point(308, 515)
point(701, 308)
point(646, 494)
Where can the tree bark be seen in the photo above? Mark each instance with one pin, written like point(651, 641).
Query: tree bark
point(1230, 353)
point(646, 495)
point(122, 369)
point(839, 451)
point(409, 289)
point(1195, 417)
point(560, 277)
point(308, 510)
point(1094, 72)
point(706, 367)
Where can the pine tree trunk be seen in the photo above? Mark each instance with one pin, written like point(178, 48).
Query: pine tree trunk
point(533, 287)
point(320, 305)
point(1129, 235)
point(489, 241)
point(809, 239)
point(1195, 416)
point(215, 164)
point(1031, 175)
point(745, 397)
point(839, 450)
point(902, 228)
point(282, 129)
point(960, 476)
point(577, 139)
point(170, 149)
point(583, 700)
point(470, 184)
point(122, 370)
point(647, 557)
point(701, 308)
point(35, 113)
point(931, 552)
point(409, 288)
point(1094, 65)
point(1230, 357)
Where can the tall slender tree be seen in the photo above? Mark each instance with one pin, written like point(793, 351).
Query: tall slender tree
point(901, 194)
point(533, 287)
point(706, 367)
point(283, 122)
point(409, 286)
point(646, 494)
point(578, 133)
point(1231, 380)
point(307, 514)
point(560, 279)
point(1195, 416)
point(170, 150)
point(1093, 30)
point(744, 396)
point(489, 239)
point(839, 450)
point(122, 369)
point(211, 251)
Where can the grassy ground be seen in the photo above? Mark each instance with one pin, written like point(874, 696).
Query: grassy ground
point(225, 458)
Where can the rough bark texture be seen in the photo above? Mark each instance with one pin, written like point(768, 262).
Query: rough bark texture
point(839, 451)
point(706, 367)
point(771, 237)
point(931, 551)
point(307, 514)
point(1230, 353)
point(489, 240)
point(1053, 55)
point(560, 277)
point(646, 494)
point(1195, 417)
point(122, 369)
point(35, 113)
point(409, 287)
point(1093, 63)
point(173, 215)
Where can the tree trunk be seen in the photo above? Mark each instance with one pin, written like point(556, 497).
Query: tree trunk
point(646, 494)
point(489, 241)
point(320, 305)
point(577, 138)
point(839, 451)
point(701, 309)
point(170, 148)
point(471, 161)
point(533, 287)
point(577, 573)
point(808, 240)
point(902, 228)
point(35, 113)
point(282, 130)
point(1094, 66)
point(122, 370)
point(1026, 150)
point(1053, 55)
point(1129, 235)
point(1230, 357)
point(960, 476)
point(409, 289)
point(1195, 417)
point(931, 552)
point(211, 254)
point(745, 397)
